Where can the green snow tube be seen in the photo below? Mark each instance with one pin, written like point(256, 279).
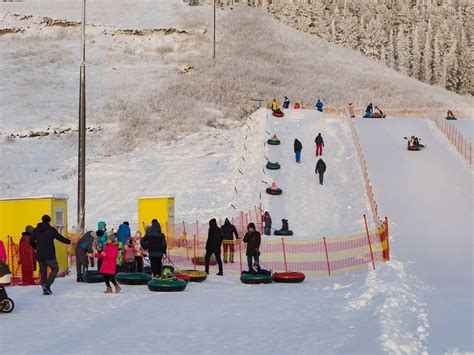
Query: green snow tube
point(273, 166)
point(253, 279)
point(283, 232)
point(132, 278)
point(166, 285)
point(273, 142)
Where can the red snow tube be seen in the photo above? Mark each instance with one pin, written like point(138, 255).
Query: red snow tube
point(377, 115)
point(181, 276)
point(278, 113)
point(288, 277)
point(296, 106)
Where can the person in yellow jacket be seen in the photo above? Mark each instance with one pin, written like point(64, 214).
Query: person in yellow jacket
point(274, 105)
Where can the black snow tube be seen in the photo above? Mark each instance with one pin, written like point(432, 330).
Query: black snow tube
point(283, 232)
point(273, 142)
point(253, 279)
point(93, 277)
point(274, 192)
point(169, 285)
point(278, 113)
point(195, 275)
point(132, 278)
point(288, 277)
point(273, 166)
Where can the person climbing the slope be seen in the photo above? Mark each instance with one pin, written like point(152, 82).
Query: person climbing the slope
point(320, 169)
point(298, 147)
point(369, 111)
point(319, 105)
point(228, 233)
point(286, 102)
point(267, 222)
point(319, 144)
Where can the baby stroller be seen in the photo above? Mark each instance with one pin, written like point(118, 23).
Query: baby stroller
point(6, 304)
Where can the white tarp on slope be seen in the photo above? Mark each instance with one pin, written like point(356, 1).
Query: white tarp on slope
point(428, 197)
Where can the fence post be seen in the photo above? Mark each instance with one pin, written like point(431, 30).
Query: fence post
point(197, 228)
point(240, 255)
point(370, 244)
point(327, 257)
point(388, 237)
point(284, 253)
point(195, 258)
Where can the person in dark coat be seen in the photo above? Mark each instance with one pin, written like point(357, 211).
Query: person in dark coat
point(213, 246)
point(228, 233)
point(253, 240)
point(319, 144)
point(27, 257)
point(84, 247)
point(42, 240)
point(154, 242)
point(369, 111)
point(320, 169)
point(267, 221)
point(298, 147)
point(286, 102)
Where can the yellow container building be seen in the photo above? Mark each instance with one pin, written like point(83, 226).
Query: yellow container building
point(159, 207)
point(17, 213)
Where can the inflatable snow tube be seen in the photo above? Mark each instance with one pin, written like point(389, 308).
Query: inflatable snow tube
point(283, 232)
point(273, 166)
point(132, 278)
point(253, 279)
point(273, 141)
point(200, 260)
point(195, 275)
point(416, 149)
point(180, 276)
point(278, 114)
point(377, 115)
point(169, 285)
point(93, 277)
point(147, 269)
point(288, 277)
point(274, 192)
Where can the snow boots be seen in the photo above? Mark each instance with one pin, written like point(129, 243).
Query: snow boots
point(117, 289)
point(108, 290)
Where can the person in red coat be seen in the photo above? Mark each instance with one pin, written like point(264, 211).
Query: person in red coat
point(27, 257)
point(109, 263)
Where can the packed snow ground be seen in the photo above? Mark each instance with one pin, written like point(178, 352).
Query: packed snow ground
point(334, 209)
point(428, 197)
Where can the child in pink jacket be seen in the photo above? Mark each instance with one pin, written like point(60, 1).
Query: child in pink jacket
point(109, 263)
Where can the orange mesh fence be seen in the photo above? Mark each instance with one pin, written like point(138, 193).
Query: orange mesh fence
point(453, 134)
point(323, 256)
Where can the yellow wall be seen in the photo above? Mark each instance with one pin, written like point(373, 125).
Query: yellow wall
point(15, 215)
point(161, 208)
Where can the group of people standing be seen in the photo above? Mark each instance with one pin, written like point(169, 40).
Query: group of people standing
point(320, 165)
point(286, 104)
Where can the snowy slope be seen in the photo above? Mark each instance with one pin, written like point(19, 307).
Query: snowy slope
point(428, 196)
point(313, 211)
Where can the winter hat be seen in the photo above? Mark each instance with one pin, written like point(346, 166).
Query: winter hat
point(101, 224)
point(46, 219)
point(126, 223)
point(112, 237)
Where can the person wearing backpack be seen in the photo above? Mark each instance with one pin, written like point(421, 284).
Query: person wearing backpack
point(129, 258)
point(154, 242)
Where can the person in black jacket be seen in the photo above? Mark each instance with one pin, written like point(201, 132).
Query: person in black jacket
point(42, 240)
point(228, 233)
point(213, 246)
point(253, 240)
point(320, 169)
point(298, 147)
point(154, 242)
point(267, 221)
point(83, 249)
point(319, 144)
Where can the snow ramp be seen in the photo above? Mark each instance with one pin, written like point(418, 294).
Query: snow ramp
point(428, 196)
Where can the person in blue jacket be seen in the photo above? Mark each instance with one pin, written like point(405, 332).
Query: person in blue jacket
point(124, 233)
point(319, 105)
point(369, 111)
point(101, 239)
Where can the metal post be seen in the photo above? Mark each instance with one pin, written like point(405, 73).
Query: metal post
point(81, 188)
point(214, 37)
